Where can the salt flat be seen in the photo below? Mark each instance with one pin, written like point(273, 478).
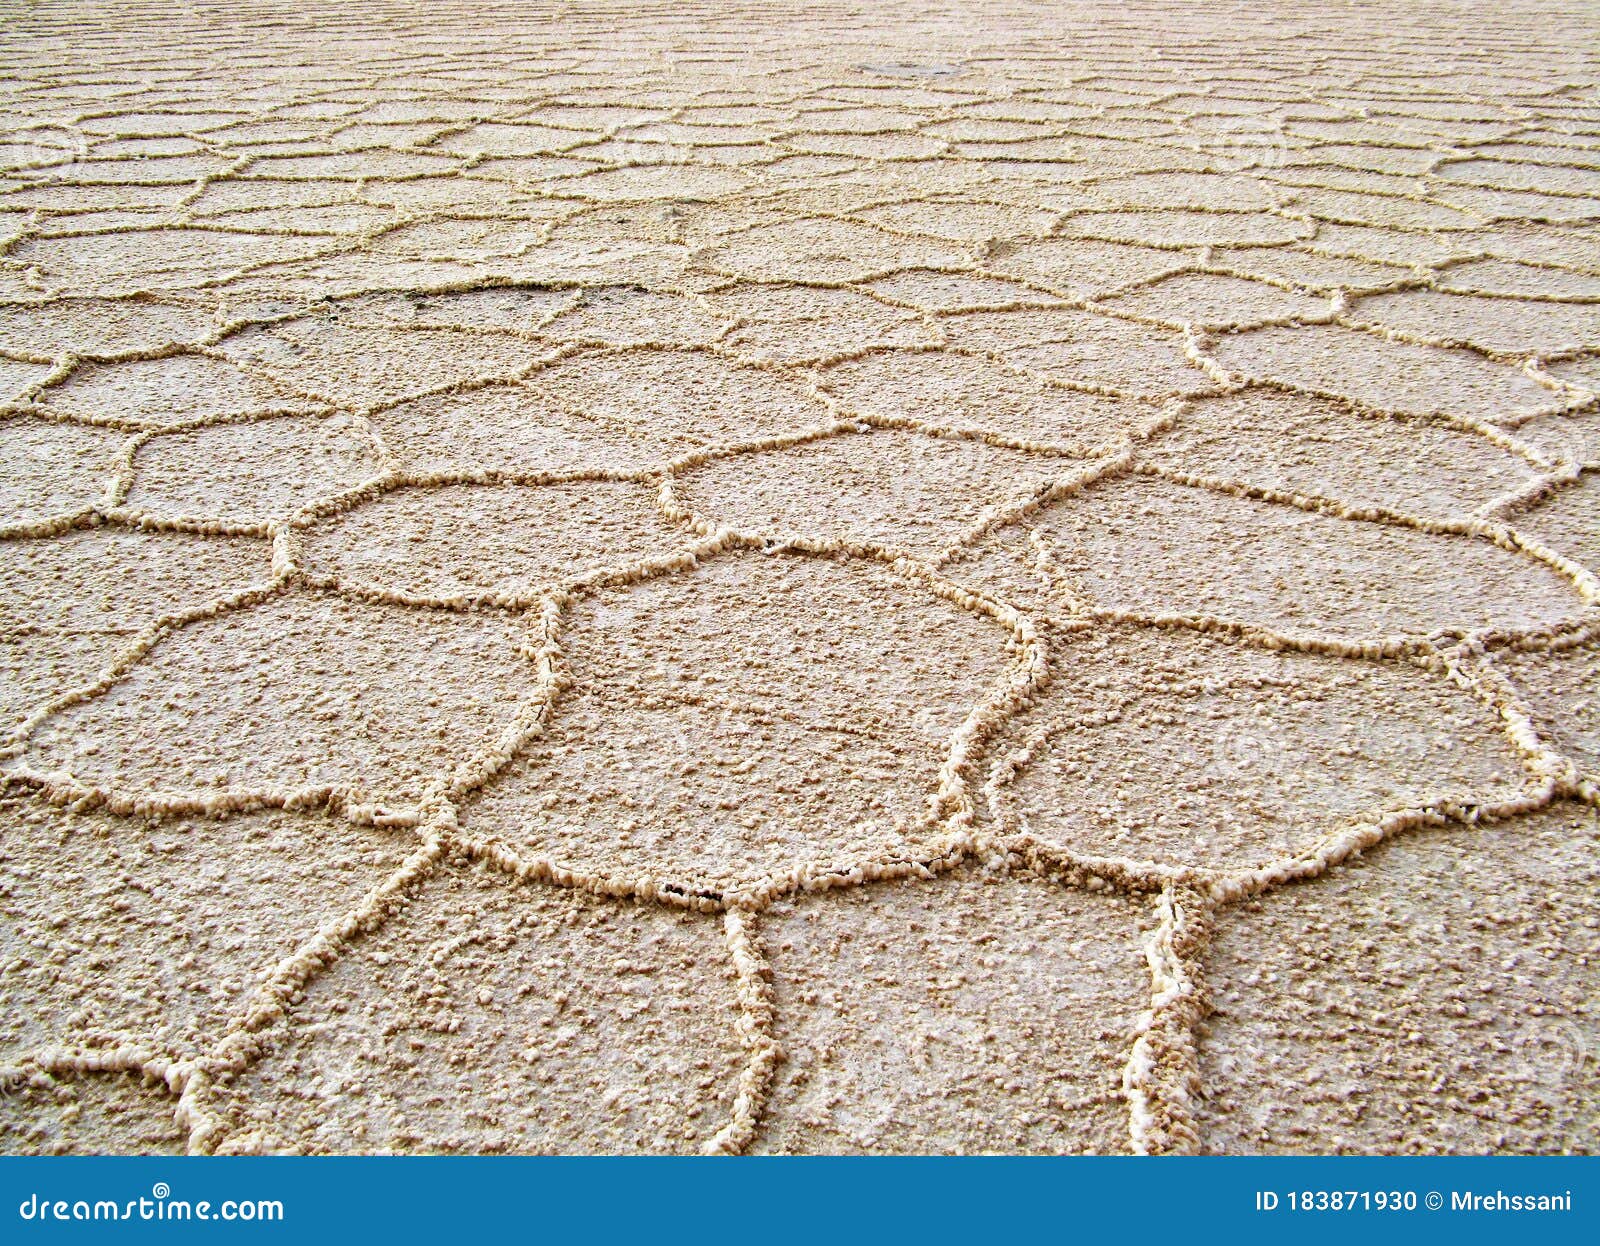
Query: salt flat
point(800, 578)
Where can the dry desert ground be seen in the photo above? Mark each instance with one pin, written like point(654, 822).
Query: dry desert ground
point(799, 577)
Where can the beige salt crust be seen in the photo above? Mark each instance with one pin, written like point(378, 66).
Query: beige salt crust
point(763, 578)
point(982, 1011)
point(1437, 995)
point(533, 1019)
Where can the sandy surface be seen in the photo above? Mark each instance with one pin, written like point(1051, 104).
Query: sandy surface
point(972, 578)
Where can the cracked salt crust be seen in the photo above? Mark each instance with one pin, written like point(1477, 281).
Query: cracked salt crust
point(250, 473)
point(75, 602)
point(1134, 543)
point(970, 1013)
point(319, 695)
point(1277, 441)
point(866, 593)
point(536, 1017)
point(942, 488)
point(92, 1116)
point(61, 470)
point(747, 721)
point(1562, 688)
point(1198, 753)
point(152, 929)
point(1435, 996)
